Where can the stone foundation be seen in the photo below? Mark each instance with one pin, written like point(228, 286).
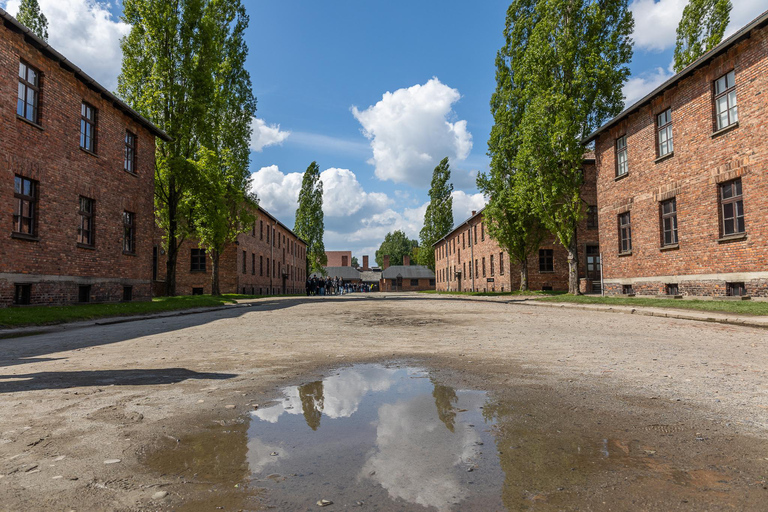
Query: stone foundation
point(63, 290)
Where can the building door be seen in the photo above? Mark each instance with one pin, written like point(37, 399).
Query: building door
point(593, 267)
point(399, 284)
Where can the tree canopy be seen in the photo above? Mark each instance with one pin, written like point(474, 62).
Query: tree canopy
point(34, 19)
point(438, 219)
point(310, 223)
point(701, 29)
point(395, 245)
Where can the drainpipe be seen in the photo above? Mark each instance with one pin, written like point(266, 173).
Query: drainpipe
point(472, 257)
point(272, 253)
point(602, 286)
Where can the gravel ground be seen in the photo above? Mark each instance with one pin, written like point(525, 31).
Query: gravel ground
point(75, 402)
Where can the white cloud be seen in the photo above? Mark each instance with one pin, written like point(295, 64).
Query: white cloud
point(278, 193)
point(410, 132)
point(638, 86)
point(266, 135)
point(464, 204)
point(656, 22)
point(343, 195)
point(86, 33)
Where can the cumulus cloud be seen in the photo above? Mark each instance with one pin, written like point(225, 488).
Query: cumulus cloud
point(343, 195)
point(278, 193)
point(638, 86)
point(464, 204)
point(265, 135)
point(411, 131)
point(86, 32)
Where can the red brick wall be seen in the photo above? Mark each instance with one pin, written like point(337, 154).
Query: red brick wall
point(51, 155)
point(390, 285)
point(339, 258)
point(702, 263)
point(455, 252)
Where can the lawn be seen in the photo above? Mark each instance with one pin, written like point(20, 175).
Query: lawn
point(720, 306)
point(45, 315)
point(495, 294)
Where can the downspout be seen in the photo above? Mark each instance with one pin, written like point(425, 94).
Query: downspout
point(472, 257)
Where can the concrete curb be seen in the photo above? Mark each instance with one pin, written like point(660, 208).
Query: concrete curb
point(758, 322)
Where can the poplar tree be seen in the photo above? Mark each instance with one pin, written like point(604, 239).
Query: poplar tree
point(310, 223)
point(165, 79)
point(438, 219)
point(701, 29)
point(568, 62)
point(34, 19)
point(396, 245)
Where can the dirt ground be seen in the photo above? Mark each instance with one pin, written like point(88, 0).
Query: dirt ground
point(84, 412)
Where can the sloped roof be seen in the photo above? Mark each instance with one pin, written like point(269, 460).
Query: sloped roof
point(408, 272)
point(348, 273)
point(370, 276)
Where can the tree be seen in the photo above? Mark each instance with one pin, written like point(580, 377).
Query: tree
point(701, 29)
point(354, 262)
point(33, 18)
point(223, 206)
point(165, 79)
point(567, 62)
point(438, 219)
point(310, 224)
point(395, 245)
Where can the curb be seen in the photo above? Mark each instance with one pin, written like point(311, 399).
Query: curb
point(627, 310)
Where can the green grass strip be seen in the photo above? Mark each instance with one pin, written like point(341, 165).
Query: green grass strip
point(495, 294)
point(721, 306)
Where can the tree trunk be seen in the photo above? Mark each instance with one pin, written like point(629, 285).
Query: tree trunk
point(215, 289)
point(524, 275)
point(173, 247)
point(573, 266)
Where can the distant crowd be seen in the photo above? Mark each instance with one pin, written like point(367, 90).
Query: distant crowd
point(335, 286)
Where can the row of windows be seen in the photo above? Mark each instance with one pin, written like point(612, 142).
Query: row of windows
point(726, 114)
point(731, 218)
point(22, 295)
point(277, 239)
point(465, 239)
point(546, 264)
point(25, 216)
point(28, 108)
point(198, 264)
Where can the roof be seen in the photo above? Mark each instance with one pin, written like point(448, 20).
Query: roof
point(348, 273)
point(408, 272)
point(275, 221)
point(705, 59)
point(370, 276)
point(12, 24)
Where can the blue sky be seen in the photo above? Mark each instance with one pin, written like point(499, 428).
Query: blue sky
point(375, 92)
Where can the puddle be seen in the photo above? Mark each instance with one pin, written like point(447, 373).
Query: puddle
point(395, 438)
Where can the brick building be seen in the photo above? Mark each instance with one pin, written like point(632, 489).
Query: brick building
point(406, 277)
point(683, 178)
point(76, 181)
point(339, 258)
point(468, 259)
point(268, 260)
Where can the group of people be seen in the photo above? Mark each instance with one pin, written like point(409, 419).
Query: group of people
point(334, 286)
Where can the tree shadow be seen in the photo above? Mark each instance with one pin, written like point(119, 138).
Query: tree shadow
point(135, 377)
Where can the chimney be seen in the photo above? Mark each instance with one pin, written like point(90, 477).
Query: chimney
point(474, 212)
point(385, 266)
point(406, 260)
point(365, 263)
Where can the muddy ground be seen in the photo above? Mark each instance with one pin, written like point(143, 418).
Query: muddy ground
point(685, 401)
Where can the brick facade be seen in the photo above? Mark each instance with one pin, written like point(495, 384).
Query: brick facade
point(469, 246)
point(705, 256)
point(339, 258)
point(49, 263)
point(268, 260)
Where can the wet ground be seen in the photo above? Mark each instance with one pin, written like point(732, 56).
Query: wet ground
point(395, 437)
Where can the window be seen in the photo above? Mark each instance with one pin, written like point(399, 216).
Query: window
point(127, 293)
point(735, 289)
point(625, 233)
point(669, 222)
point(197, 291)
point(592, 217)
point(483, 266)
point(245, 262)
point(29, 93)
point(84, 293)
point(130, 152)
point(470, 270)
point(732, 205)
point(463, 241)
point(627, 289)
point(501, 264)
point(482, 231)
point(268, 267)
point(22, 295)
point(154, 263)
point(622, 167)
point(431, 282)
point(25, 213)
point(261, 265)
point(268, 230)
point(726, 110)
point(469, 237)
point(673, 289)
point(88, 127)
point(546, 260)
point(414, 282)
point(476, 268)
point(129, 233)
point(492, 267)
point(253, 264)
point(664, 133)
point(197, 260)
point(85, 230)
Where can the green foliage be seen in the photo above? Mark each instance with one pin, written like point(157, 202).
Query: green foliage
point(559, 76)
point(701, 29)
point(33, 18)
point(438, 219)
point(310, 222)
point(354, 262)
point(395, 245)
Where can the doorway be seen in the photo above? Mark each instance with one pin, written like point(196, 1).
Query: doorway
point(593, 267)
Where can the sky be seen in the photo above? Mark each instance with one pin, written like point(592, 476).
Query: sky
point(377, 93)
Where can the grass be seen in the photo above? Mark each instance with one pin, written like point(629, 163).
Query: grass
point(720, 306)
point(494, 294)
point(47, 315)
